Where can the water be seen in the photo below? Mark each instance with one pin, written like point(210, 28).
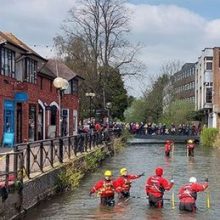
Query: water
point(137, 159)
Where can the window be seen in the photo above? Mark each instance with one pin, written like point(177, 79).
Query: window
point(53, 115)
point(74, 86)
point(41, 83)
point(32, 123)
point(7, 62)
point(209, 58)
point(208, 66)
point(30, 70)
point(208, 95)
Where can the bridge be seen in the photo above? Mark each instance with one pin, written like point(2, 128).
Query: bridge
point(160, 139)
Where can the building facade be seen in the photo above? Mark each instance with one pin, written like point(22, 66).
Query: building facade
point(216, 87)
point(184, 83)
point(31, 108)
point(204, 86)
point(181, 86)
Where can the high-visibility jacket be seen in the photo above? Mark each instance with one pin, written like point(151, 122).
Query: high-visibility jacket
point(156, 185)
point(190, 146)
point(123, 183)
point(168, 147)
point(188, 192)
point(104, 188)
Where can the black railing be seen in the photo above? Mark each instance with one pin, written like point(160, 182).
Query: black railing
point(11, 168)
point(40, 156)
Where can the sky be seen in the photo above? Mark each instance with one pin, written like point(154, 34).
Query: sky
point(169, 30)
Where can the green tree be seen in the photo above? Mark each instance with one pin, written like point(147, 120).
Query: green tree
point(178, 112)
point(137, 111)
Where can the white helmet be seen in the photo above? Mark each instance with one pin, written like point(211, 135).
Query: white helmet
point(192, 179)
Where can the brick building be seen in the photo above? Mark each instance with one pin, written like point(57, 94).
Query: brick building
point(216, 86)
point(31, 108)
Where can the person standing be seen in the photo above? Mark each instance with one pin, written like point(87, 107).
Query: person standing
point(155, 187)
point(168, 147)
point(188, 194)
point(105, 189)
point(123, 183)
point(190, 147)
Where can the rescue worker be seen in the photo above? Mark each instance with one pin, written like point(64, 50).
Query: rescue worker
point(123, 183)
point(168, 147)
point(190, 147)
point(105, 189)
point(155, 188)
point(188, 194)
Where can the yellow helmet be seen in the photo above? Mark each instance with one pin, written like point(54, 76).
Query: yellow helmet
point(123, 171)
point(190, 141)
point(108, 173)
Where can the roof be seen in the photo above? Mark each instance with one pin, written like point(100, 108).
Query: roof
point(58, 68)
point(7, 37)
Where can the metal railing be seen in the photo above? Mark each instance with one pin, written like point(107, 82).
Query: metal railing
point(40, 156)
point(11, 168)
point(34, 158)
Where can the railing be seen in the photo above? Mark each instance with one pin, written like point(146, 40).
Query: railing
point(40, 156)
point(11, 168)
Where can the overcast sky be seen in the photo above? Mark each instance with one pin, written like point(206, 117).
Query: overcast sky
point(168, 29)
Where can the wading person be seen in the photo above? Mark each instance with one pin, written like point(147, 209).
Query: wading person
point(168, 147)
point(156, 185)
point(123, 183)
point(188, 194)
point(190, 147)
point(105, 189)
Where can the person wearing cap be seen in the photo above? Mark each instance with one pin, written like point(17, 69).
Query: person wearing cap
point(188, 194)
point(105, 189)
point(155, 187)
point(123, 183)
point(190, 147)
point(168, 147)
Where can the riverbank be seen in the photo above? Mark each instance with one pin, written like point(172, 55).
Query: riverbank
point(64, 176)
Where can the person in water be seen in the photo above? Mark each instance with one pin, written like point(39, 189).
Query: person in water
point(168, 147)
point(123, 183)
point(188, 194)
point(155, 187)
point(105, 188)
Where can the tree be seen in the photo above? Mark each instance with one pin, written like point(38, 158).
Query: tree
point(179, 112)
point(137, 111)
point(94, 44)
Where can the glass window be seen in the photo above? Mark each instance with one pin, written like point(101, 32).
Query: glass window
point(209, 66)
point(32, 123)
point(208, 95)
point(74, 86)
point(53, 115)
point(30, 70)
point(7, 62)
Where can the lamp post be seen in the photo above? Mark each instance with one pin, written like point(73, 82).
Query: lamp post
point(60, 84)
point(90, 95)
point(108, 106)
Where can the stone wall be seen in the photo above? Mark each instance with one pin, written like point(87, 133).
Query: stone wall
point(37, 189)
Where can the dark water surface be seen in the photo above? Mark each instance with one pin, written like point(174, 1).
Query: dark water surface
point(141, 158)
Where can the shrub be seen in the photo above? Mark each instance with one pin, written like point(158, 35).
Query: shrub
point(208, 136)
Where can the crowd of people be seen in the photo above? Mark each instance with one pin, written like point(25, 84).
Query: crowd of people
point(163, 129)
point(155, 185)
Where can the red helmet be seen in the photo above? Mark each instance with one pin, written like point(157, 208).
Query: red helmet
point(159, 171)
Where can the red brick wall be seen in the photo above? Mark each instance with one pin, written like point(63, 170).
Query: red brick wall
point(8, 88)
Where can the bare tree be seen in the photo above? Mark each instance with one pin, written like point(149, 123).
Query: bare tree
point(95, 43)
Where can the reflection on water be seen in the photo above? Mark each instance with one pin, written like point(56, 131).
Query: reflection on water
point(138, 159)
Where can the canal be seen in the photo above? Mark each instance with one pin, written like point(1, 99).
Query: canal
point(141, 158)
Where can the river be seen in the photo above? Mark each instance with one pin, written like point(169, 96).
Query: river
point(137, 159)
